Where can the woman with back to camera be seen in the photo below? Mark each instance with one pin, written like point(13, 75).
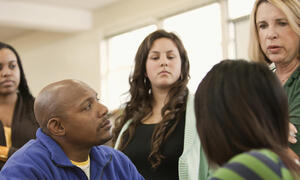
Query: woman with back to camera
point(242, 120)
point(17, 121)
point(275, 40)
point(157, 128)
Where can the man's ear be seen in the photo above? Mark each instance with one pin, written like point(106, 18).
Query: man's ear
point(56, 127)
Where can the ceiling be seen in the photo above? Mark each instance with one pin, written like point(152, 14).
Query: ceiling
point(79, 4)
point(10, 32)
point(22, 16)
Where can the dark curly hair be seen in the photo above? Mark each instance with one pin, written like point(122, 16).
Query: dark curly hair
point(140, 106)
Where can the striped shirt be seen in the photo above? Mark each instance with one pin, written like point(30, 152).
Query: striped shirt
point(253, 165)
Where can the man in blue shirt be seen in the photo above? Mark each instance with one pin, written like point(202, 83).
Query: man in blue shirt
point(72, 125)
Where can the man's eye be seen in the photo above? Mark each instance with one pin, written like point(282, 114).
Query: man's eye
point(88, 107)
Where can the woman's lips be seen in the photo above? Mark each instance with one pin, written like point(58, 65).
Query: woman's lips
point(274, 49)
point(7, 83)
point(164, 72)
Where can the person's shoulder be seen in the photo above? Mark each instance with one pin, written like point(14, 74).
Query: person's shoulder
point(29, 154)
point(106, 150)
point(26, 148)
point(294, 80)
point(250, 165)
point(120, 161)
point(115, 157)
point(32, 148)
point(297, 75)
point(232, 169)
point(126, 169)
point(30, 161)
point(253, 157)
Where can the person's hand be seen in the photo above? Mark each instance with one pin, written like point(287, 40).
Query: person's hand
point(3, 153)
point(292, 133)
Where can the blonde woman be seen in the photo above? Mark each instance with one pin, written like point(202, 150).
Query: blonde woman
point(275, 40)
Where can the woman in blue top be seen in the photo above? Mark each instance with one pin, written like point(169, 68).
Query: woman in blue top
point(242, 120)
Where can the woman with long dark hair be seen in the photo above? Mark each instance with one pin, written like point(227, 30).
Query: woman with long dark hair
point(242, 120)
point(17, 121)
point(157, 128)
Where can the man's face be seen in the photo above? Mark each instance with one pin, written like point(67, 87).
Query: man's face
point(85, 119)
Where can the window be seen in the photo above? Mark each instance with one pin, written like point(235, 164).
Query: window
point(239, 22)
point(201, 34)
point(238, 8)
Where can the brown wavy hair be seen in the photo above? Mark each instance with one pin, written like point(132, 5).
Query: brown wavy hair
point(241, 106)
point(139, 105)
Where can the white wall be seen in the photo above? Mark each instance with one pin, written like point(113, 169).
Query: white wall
point(49, 57)
point(128, 14)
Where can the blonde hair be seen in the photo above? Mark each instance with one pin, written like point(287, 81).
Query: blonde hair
point(291, 8)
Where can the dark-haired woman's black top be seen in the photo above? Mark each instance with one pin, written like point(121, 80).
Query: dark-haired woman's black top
point(138, 151)
point(23, 126)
